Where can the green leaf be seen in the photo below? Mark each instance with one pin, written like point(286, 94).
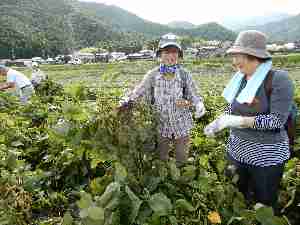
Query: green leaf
point(83, 213)
point(221, 166)
point(292, 199)
point(265, 215)
point(17, 144)
point(136, 202)
point(184, 205)
point(89, 221)
point(67, 219)
point(152, 182)
point(96, 213)
point(174, 171)
point(11, 160)
point(160, 204)
point(238, 205)
point(264, 212)
point(85, 201)
point(189, 173)
point(111, 190)
point(163, 172)
point(4, 222)
point(155, 219)
point(205, 184)
point(248, 215)
point(232, 219)
point(120, 172)
point(203, 161)
point(173, 220)
point(2, 138)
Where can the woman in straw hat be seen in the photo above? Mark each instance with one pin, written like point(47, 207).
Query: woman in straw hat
point(258, 144)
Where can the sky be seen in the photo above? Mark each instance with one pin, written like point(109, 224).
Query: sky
point(198, 12)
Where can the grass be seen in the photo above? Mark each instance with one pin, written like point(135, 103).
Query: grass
point(128, 74)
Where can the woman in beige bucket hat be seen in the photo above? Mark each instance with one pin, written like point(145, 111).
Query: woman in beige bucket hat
point(258, 145)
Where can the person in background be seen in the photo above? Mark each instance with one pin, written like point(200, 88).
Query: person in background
point(37, 75)
point(258, 145)
point(17, 80)
point(172, 91)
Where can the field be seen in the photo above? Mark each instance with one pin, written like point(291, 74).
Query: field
point(69, 158)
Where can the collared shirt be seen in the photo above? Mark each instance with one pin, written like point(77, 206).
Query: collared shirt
point(174, 121)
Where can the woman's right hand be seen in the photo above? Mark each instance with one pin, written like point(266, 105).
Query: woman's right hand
point(183, 103)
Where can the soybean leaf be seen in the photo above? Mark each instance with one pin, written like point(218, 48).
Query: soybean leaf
point(184, 205)
point(160, 204)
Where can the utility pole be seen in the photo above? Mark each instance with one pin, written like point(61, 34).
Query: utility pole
point(13, 53)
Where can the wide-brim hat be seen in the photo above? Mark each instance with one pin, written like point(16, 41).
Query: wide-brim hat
point(251, 42)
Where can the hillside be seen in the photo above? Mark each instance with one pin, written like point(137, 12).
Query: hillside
point(38, 27)
point(241, 23)
point(209, 31)
point(181, 24)
point(126, 21)
point(284, 30)
point(47, 28)
point(120, 19)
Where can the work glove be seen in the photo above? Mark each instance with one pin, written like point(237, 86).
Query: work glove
point(228, 121)
point(200, 110)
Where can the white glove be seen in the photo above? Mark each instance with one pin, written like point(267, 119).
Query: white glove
point(225, 121)
point(200, 110)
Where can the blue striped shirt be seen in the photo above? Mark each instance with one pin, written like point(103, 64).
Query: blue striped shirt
point(255, 153)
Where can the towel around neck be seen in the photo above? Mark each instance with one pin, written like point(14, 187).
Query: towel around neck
point(248, 93)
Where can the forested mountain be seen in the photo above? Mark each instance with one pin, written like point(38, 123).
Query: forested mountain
point(50, 27)
point(238, 23)
point(209, 31)
point(283, 30)
point(39, 27)
point(126, 21)
point(181, 24)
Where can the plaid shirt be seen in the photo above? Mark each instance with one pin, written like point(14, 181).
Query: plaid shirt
point(173, 121)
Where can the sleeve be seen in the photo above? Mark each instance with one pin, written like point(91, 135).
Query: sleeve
point(280, 102)
point(191, 90)
point(143, 88)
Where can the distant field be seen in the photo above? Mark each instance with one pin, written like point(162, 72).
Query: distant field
point(210, 75)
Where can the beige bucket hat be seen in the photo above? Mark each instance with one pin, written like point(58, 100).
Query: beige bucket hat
point(251, 42)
